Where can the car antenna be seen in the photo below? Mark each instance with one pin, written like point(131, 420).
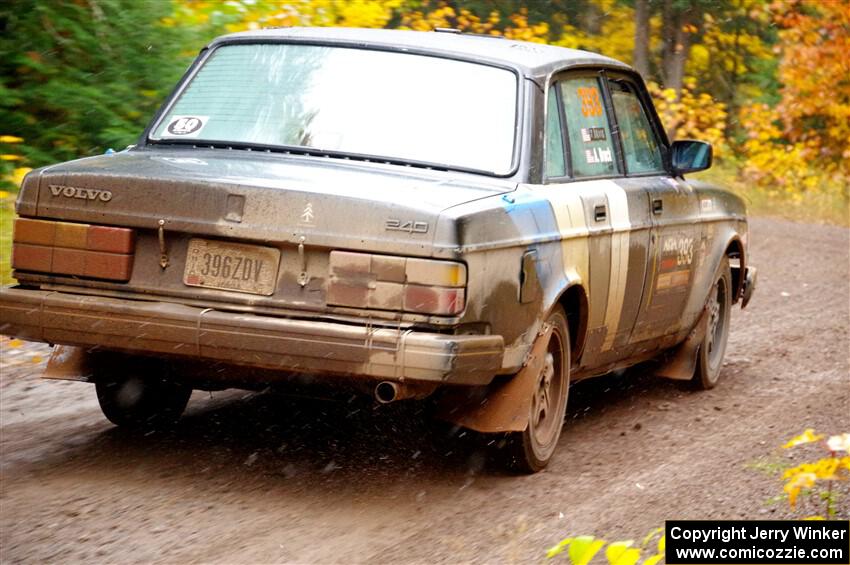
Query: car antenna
point(455, 31)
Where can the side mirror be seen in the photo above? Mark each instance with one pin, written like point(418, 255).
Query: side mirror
point(689, 156)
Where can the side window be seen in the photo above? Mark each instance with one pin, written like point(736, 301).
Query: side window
point(555, 166)
point(640, 145)
point(591, 146)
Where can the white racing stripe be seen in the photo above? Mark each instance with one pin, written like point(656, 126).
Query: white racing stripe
point(569, 212)
point(618, 208)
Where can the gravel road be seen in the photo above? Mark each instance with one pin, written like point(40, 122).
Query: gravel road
point(259, 478)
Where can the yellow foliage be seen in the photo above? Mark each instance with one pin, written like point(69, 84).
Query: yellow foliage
point(18, 174)
point(616, 35)
point(725, 48)
point(622, 553)
point(257, 14)
point(823, 469)
point(9, 173)
point(691, 115)
point(559, 548)
point(803, 144)
point(815, 45)
point(796, 484)
point(807, 436)
point(582, 549)
point(807, 475)
point(789, 168)
point(448, 17)
point(521, 30)
point(516, 26)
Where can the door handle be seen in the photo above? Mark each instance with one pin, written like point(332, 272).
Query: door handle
point(600, 213)
point(657, 206)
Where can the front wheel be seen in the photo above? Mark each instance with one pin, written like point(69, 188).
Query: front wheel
point(138, 395)
point(713, 346)
point(531, 450)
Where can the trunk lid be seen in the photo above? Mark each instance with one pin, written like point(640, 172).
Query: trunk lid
point(253, 199)
point(261, 197)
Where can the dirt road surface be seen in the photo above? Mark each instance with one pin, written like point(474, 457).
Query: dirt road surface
point(256, 478)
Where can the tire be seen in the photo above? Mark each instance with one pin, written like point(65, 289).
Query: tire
point(139, 394)
point(531, 450)
point(713, 347)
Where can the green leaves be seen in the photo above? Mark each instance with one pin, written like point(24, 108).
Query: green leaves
point(79, 77)
point(582, 549)
point(622, 553)
point(557, 549)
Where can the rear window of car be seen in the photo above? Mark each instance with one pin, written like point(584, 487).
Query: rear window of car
point(356, 101)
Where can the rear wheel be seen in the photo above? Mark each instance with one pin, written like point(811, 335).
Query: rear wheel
point(531, 450)
point(713, 347)
point(139, 394)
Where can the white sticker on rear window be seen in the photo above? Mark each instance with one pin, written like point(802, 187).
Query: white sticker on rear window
point(592, 134)
point(598, 155)
point(185, 126)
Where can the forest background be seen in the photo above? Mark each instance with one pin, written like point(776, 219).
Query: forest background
point(766, 82)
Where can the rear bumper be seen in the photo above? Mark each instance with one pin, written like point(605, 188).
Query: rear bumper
point(303, 346)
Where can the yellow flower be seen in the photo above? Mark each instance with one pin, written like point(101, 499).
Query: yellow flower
point(795, 485)
point(807, 436)
point(839, 443)
point(7, 157)
point(10, 139)
point(17, 176)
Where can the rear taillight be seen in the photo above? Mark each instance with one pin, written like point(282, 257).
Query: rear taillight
point(406, 284)
point(64, 248)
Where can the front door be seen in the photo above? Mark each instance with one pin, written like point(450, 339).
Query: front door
point(675, 234)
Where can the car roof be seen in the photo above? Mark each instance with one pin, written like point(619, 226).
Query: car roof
point(534, 60)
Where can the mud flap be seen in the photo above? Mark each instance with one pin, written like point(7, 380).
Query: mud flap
point(750, 279)
point(681, 363)
point(500, 407)
point(69, 363)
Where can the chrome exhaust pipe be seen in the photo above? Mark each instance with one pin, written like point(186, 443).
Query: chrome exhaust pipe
point(390, 391)
point(386, 392)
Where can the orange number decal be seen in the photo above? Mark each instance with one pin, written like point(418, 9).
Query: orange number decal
point(590, 103)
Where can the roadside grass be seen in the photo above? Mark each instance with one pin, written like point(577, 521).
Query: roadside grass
point(7, 215)
point(828, 207)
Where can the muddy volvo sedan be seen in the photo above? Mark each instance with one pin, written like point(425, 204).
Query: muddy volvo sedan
point(474, 220)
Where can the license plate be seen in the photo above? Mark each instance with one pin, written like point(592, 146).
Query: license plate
point(231, 266)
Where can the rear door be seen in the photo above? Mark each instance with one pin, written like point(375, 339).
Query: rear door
point(604, 218)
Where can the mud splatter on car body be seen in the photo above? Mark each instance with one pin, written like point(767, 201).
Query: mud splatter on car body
point(272, 258)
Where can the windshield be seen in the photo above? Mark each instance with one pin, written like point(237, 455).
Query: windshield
point(394, 105)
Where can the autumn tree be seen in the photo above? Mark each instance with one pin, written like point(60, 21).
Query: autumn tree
point(815, 76)
point(803, 142)
point(79, 77)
